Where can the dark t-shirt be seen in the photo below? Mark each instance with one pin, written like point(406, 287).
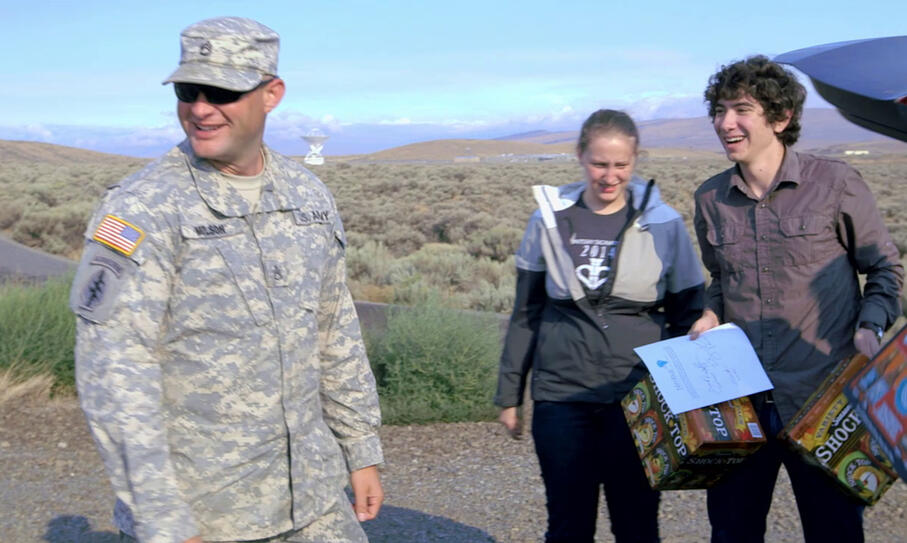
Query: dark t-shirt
point(592, 241)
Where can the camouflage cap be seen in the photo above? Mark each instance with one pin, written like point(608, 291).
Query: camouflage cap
point(227, 52)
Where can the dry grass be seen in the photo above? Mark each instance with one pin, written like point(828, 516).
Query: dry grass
point(15, 388)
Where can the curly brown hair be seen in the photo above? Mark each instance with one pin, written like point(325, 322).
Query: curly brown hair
point(775, 88)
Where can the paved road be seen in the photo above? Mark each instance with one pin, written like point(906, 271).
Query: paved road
point(19, 261)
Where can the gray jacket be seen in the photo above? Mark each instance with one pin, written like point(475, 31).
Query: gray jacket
point(583, 352)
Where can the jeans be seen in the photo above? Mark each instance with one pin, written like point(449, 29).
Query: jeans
point(581, 447)
point(739, 503)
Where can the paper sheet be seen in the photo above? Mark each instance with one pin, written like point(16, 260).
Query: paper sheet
point(720, 365)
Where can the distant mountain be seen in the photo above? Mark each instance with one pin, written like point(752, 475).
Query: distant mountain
point(524, 135)
point(822, 128)
point(824, 131)
point(466, 148)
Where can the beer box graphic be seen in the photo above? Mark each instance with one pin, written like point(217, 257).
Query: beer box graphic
point(829, 433)
point(878, 392)
point(693, 449)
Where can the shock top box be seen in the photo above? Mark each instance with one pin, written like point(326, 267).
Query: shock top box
point(829, 433)
point(692, 449)
point(878, 393)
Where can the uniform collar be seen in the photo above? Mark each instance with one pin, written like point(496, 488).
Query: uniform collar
point(220, 196)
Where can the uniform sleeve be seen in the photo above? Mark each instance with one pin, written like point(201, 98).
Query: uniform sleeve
point(522, 332)
point(714, 298)
point(867, 240)
point(348, 390)
point(121, 301)
point(684, 296)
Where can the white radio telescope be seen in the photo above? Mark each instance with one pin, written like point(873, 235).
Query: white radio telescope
point(315, 138)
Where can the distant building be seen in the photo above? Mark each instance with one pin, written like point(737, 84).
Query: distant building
point(466, 159)
point(855, 152)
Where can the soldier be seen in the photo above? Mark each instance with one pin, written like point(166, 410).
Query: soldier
point(219, 359)
point(784, 235)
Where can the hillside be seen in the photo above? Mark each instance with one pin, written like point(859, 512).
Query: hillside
point(59, 155)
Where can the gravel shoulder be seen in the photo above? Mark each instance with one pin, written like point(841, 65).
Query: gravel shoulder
point(464, 482)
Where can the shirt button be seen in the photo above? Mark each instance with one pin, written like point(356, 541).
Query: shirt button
point(765, 268)
point(762, 205)
point(769, 334)
point(763, 237)
point(768, 301)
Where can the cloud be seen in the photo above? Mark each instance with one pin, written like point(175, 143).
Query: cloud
point(666, 106)
point(30, 132)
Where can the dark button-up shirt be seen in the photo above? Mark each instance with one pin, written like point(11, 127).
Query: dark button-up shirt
point(784, 267)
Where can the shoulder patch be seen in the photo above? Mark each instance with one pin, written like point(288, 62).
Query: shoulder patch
point(118, 234)
point(98, 282)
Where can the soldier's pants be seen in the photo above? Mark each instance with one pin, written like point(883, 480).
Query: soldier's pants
point(337, 525)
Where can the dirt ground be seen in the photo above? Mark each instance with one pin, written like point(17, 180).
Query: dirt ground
point(447, 482)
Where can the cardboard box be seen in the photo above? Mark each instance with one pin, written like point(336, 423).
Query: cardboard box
point(693, 449)
point(878, 392)
point(830, 434)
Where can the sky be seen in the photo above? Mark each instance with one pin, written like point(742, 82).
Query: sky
point(378, 74)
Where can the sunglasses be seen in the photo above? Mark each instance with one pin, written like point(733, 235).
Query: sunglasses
point(188, 92)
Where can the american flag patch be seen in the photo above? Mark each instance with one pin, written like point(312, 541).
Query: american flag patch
point(119, 235)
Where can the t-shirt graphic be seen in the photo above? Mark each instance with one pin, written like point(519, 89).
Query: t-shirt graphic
point(598, 254)
point(592, 241)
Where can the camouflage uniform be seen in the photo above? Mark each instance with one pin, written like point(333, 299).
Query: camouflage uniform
point(219, 359)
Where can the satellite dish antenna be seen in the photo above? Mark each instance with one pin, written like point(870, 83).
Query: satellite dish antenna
point(315, 138)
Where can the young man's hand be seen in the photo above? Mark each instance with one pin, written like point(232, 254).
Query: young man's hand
point(367, 492)
point(866, 342)
point(707, 321)
point(510, 418)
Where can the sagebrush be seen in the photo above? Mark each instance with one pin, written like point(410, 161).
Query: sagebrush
point(434, 363)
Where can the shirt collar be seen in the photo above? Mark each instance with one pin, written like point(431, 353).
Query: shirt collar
point(788, 172)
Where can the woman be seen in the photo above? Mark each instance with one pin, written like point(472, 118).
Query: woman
point(604, 266)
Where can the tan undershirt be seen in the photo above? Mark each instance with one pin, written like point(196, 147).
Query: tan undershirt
point(248, 186)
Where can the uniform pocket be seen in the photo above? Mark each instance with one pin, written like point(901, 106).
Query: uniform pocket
point(219, 266)
point(250, 285)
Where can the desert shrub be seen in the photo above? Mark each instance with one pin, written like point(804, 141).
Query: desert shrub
point(413, 290)
point(498, 243)
point(498, 273)
point(56, 230)
point(10, 213)
point(371, 262)
point(436, 364)
point(37, 331)
point(445, 265)
point(400, 238)
point(487, 296)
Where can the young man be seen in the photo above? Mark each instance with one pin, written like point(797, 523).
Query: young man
point(784, 236)
point(219, 360)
